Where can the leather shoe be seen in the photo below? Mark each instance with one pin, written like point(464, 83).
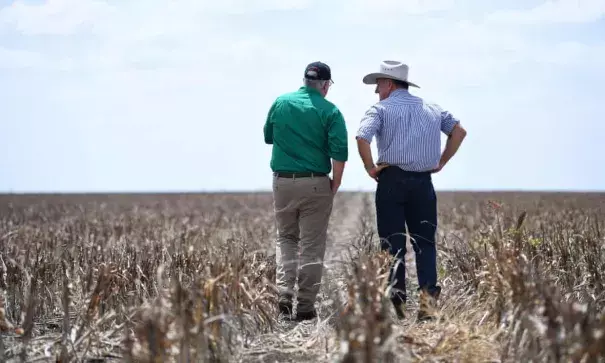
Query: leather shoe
point(306, 315)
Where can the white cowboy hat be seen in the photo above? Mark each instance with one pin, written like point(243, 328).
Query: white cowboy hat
point(392, 70)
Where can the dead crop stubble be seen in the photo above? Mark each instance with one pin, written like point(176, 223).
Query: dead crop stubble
point(190, 278)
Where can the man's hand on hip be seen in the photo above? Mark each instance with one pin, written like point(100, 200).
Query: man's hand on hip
point(375, 170)
point(451, 147)
point(438, 168)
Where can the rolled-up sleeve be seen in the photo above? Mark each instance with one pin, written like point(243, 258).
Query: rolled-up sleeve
point(338, 148)
point(370, 125)
point(448, 121)
point(268, 128)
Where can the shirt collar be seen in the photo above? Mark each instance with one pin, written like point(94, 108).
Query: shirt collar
point(309, 90)
point(400, 92)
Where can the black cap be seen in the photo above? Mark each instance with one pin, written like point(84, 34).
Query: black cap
point(318, 71)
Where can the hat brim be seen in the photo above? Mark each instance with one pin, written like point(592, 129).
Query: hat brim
point(373, 77)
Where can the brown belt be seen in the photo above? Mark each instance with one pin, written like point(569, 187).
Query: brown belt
point(280, 174)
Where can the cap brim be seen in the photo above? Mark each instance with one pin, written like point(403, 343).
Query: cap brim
point(373, 77)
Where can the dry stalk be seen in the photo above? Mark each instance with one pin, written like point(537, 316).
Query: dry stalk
point(186, 278)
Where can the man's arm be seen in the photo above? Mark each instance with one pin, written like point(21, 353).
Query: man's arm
point(454, 140)
point(370, 125)
point(456, 134)
point(365, 152)
point(338, 148)
point(268, 128)
point(338, 168)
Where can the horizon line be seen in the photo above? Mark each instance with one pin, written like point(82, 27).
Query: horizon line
point(269, 191)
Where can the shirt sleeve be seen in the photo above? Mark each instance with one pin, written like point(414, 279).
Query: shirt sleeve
point(370, 125)
point(448, 121)
point(337, 138)
point(268, 128)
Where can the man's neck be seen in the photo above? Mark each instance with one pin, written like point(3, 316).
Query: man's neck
point(313, 90)
point(399, 91)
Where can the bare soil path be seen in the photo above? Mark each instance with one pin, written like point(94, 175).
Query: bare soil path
point(314, 341)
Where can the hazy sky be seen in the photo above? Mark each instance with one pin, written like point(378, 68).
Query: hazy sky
point(160, 95)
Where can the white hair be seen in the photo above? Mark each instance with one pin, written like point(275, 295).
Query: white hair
point(314, 83)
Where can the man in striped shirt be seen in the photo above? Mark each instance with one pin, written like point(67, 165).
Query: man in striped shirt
point(407, 131)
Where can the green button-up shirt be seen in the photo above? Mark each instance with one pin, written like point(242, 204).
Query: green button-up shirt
point(306, 131)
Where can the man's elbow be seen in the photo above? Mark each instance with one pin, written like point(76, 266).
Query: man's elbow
point(339, 163)
point(362, 141)
point(340, 155)
point(458, 132)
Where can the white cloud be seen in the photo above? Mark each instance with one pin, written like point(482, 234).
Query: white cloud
point(387, 13)
point(153, 17)
point(253, 6)
point(157, 69)
point(152, 34)
point(15, 58)
point(189, 37)
point(473, 54)
point(54, 17)
point(553, 12)
point(572, 54)
point(467, 54)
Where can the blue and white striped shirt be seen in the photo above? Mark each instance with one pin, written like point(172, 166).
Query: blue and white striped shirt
point(407, 131)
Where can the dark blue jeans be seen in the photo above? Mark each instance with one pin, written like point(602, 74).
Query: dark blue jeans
point(404, 197)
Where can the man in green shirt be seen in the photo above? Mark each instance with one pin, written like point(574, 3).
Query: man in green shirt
point(309, 139)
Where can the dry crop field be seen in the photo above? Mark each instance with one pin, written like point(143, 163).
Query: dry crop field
point(189, 278)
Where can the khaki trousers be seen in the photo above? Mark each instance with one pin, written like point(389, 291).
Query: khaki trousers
point(302, 212)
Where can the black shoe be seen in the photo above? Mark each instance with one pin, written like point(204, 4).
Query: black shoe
point(428, 304)
point(423, 316)
point(399, 310)
point(398, 300)
point(285, 309)
point(434, 291)
point(306, 315)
